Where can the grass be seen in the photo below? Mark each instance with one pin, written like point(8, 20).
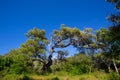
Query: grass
point(59, 76)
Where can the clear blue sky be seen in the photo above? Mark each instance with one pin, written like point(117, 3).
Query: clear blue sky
point(18, 16)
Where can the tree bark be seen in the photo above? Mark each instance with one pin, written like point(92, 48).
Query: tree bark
point(109, 68)
point(108, 65)
point(115, 66)
point(46, 66)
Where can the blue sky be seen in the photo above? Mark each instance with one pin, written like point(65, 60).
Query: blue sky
point(18, 16)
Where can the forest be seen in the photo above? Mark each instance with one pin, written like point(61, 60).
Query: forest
point(97, 56)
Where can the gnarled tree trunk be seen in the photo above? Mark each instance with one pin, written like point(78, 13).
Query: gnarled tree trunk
point(46, 66)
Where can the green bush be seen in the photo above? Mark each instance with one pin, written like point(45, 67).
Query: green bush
point(75, 65)
point(55, 78)
point(75, 71)
point(17, 68)
point(81, 69)
point(114, 76)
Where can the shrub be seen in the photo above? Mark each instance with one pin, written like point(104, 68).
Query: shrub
point(76, 70)
point(114, 76)
point(55, 78)
point(17, 68)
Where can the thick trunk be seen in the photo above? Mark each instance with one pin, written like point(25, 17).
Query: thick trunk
point(116, 69)
point(46, 66)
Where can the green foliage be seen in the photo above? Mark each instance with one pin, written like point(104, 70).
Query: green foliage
point(80, 64)
point(17, 68)
point(21, 61)
point(105, 42)
point(16, 77)
point(55, 78)
point(114, 76)
point(36, 43)
point(101, 75)
point(103, 35)
point(7, 61)
point(1, 63)
point(15, 63)
point(75, 65)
